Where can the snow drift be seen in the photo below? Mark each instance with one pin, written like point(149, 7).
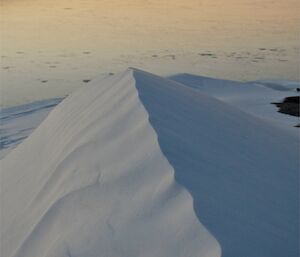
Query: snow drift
point(130, 166)
point(18, 122)
point(255, 98)
point(92, 181)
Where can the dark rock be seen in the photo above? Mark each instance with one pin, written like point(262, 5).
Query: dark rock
point(290, 106)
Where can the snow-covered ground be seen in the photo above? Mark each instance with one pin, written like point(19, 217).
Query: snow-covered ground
point(252, 97)
point(255, 98)
point(17, 123)
point(140, 165)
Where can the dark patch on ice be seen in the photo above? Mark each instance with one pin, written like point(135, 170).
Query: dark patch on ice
point(281, 60)
point(19, 52)
point(6, 68)
point(86, 80)
point(209, 54)
point(44, 81)
point(154, 55)
point(290, 106)
point(172, 56)
point(297, 126)
point(68, 8)
point(86, 52)
point(206, 54)
point(111, 73)
point(262, 49)
point(52, 66)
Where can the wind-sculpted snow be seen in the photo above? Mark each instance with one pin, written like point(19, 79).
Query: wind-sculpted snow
point(242, 171)
point(91, 180)
point(255, 98)
point(17, 123)
point(134, 165)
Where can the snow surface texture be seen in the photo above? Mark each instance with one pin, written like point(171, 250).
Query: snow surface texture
point(99, 175)
point(255, 98)
point(17, 123)
point(92, 181)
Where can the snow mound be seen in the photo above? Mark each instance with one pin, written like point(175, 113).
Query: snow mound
point(254, 98)
point(241, 170)
point(280, 85)
point(18, 122)
point(91, 180)
point(130, 165)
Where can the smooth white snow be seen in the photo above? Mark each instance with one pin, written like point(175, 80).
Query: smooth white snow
point(252, 97)
point(255, 98)
point(107, 174)
point(241, 170)
point(92, 181)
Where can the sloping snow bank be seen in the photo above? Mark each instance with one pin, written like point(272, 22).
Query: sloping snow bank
point(92, 181)
point(97, 177)
point(254, 98)
point(241, 170)
point(17, 123)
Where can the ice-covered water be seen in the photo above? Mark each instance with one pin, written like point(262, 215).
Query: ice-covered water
point(49, 48)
